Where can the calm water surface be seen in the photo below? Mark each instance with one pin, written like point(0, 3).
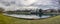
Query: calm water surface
point(27, 16)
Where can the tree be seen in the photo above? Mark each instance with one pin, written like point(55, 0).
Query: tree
point(1, 10)
point(40, 12)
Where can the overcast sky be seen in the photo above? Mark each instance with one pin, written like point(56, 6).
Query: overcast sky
point(44, 4)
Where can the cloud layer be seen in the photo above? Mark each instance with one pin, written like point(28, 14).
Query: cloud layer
point(44, 4)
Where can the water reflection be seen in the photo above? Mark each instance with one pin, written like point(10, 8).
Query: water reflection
point(28, 16)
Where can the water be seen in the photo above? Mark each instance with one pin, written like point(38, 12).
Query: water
point(28, 16)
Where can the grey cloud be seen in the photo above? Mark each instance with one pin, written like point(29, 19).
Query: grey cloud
point(52, 4)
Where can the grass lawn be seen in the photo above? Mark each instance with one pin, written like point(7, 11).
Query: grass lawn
point(11, 20)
